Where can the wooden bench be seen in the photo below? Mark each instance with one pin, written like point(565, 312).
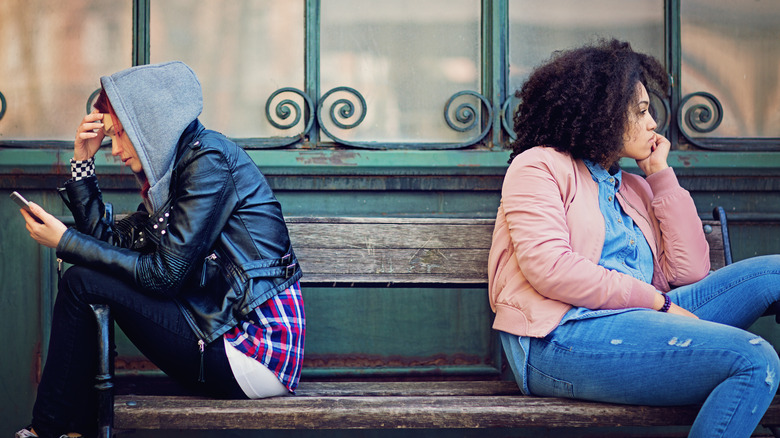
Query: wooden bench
point(390, 251)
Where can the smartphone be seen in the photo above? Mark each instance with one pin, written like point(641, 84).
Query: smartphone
point(19, 199)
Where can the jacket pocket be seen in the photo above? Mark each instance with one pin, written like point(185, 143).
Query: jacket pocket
point(212, 275)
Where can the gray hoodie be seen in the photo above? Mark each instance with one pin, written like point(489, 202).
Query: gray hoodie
point(155, 103)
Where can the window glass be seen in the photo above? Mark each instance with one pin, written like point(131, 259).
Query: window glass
point(730, 50)
point(53, 54)
point(243, 51)
point(537, 28)
point(406, 59)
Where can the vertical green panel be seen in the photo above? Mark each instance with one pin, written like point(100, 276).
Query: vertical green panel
point(141, 31)
point(312, 59)
point(673, 62)
point(495, 28)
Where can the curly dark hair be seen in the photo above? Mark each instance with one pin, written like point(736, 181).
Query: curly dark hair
point(578, 101)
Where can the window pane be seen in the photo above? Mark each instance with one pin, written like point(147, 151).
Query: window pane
point(537, 28)
point(730, 49)
point(242, 51)
point(53, 54)
point(406, 58)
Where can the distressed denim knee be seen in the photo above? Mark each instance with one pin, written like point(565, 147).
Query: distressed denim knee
point(736, 405)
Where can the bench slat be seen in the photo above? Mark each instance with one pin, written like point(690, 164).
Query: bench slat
point(409, 250)
point(378, 389)
point(388, 412)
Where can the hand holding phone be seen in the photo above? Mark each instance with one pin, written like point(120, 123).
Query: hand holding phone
point(19, 199)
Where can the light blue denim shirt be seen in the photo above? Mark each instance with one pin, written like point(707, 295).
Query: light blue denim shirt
point(625, 250)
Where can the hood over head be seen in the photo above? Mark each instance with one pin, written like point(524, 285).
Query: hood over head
point(155, 104)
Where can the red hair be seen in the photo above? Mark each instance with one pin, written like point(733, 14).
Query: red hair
point(103, 105)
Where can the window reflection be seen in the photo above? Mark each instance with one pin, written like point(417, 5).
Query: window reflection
point(52, 56)
point(731, 50)
point(406, 58)
point(537, 28)
point(242, 51)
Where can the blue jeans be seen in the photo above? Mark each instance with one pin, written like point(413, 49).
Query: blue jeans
point(646, 357)
point(66, 399)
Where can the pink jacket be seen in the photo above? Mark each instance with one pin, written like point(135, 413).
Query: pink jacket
point(549, 234)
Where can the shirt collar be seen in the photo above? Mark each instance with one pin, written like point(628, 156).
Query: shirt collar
point(600, 175)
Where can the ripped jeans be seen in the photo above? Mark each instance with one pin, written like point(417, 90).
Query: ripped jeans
point(646, 357)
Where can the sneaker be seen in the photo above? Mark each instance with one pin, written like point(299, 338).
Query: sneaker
point(25, 433)
point(28, 433)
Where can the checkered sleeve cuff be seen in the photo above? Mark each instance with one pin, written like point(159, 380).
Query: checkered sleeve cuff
point(82, 169)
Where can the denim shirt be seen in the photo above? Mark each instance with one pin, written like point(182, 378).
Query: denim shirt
point(625, 250)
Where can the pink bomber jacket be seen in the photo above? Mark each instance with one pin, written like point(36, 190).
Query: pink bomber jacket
point(549, 233)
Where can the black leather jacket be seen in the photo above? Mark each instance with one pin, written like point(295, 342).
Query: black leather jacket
point(219, 247)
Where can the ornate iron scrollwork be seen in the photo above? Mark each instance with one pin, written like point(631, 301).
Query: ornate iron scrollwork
point(285, 109)
point(3, 106)
point(701, 117)
point(463, 118)
point(341, 110)
point(507, 119)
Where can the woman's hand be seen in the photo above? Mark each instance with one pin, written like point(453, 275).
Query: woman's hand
point(656, 162)
point(88, 136)
point(677, 310)
point(673, 308)
point(47, 233)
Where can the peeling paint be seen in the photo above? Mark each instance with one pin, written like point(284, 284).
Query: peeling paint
point(672, 341)
point(756, 341)
point(616, 341)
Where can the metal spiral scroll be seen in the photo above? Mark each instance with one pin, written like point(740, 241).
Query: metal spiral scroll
point(342, 109)
point(466, 114)
point(284, 110)
point(702, 118)
point(3, 106)
point(507, 118)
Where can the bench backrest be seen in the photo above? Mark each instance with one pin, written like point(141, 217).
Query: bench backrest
point(407, 251)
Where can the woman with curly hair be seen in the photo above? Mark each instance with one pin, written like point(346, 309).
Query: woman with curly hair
point(600, 279)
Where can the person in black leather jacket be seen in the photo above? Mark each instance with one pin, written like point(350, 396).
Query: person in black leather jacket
point(202, 278)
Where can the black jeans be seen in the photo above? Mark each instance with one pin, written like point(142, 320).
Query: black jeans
point(66, 400)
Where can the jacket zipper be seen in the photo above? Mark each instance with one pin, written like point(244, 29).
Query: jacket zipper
point(202, 348)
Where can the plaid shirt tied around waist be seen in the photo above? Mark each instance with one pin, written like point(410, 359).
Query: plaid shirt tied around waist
point(273, 334)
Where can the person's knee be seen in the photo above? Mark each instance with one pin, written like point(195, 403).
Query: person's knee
point(75, 282)
point(763, 362)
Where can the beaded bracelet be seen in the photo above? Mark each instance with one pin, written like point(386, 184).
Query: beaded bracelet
point(667, 303)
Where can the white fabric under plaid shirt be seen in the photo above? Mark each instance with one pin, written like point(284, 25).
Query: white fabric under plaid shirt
point(82, 169)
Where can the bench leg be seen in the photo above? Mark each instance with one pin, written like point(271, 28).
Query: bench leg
point(103, 381)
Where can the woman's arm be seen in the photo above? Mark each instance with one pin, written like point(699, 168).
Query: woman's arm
point(200, 209)
point(683, 251)
point(533, 202)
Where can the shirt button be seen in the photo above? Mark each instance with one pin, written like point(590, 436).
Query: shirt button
point(632, 241)
point(609, 198)
point(620, 221)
